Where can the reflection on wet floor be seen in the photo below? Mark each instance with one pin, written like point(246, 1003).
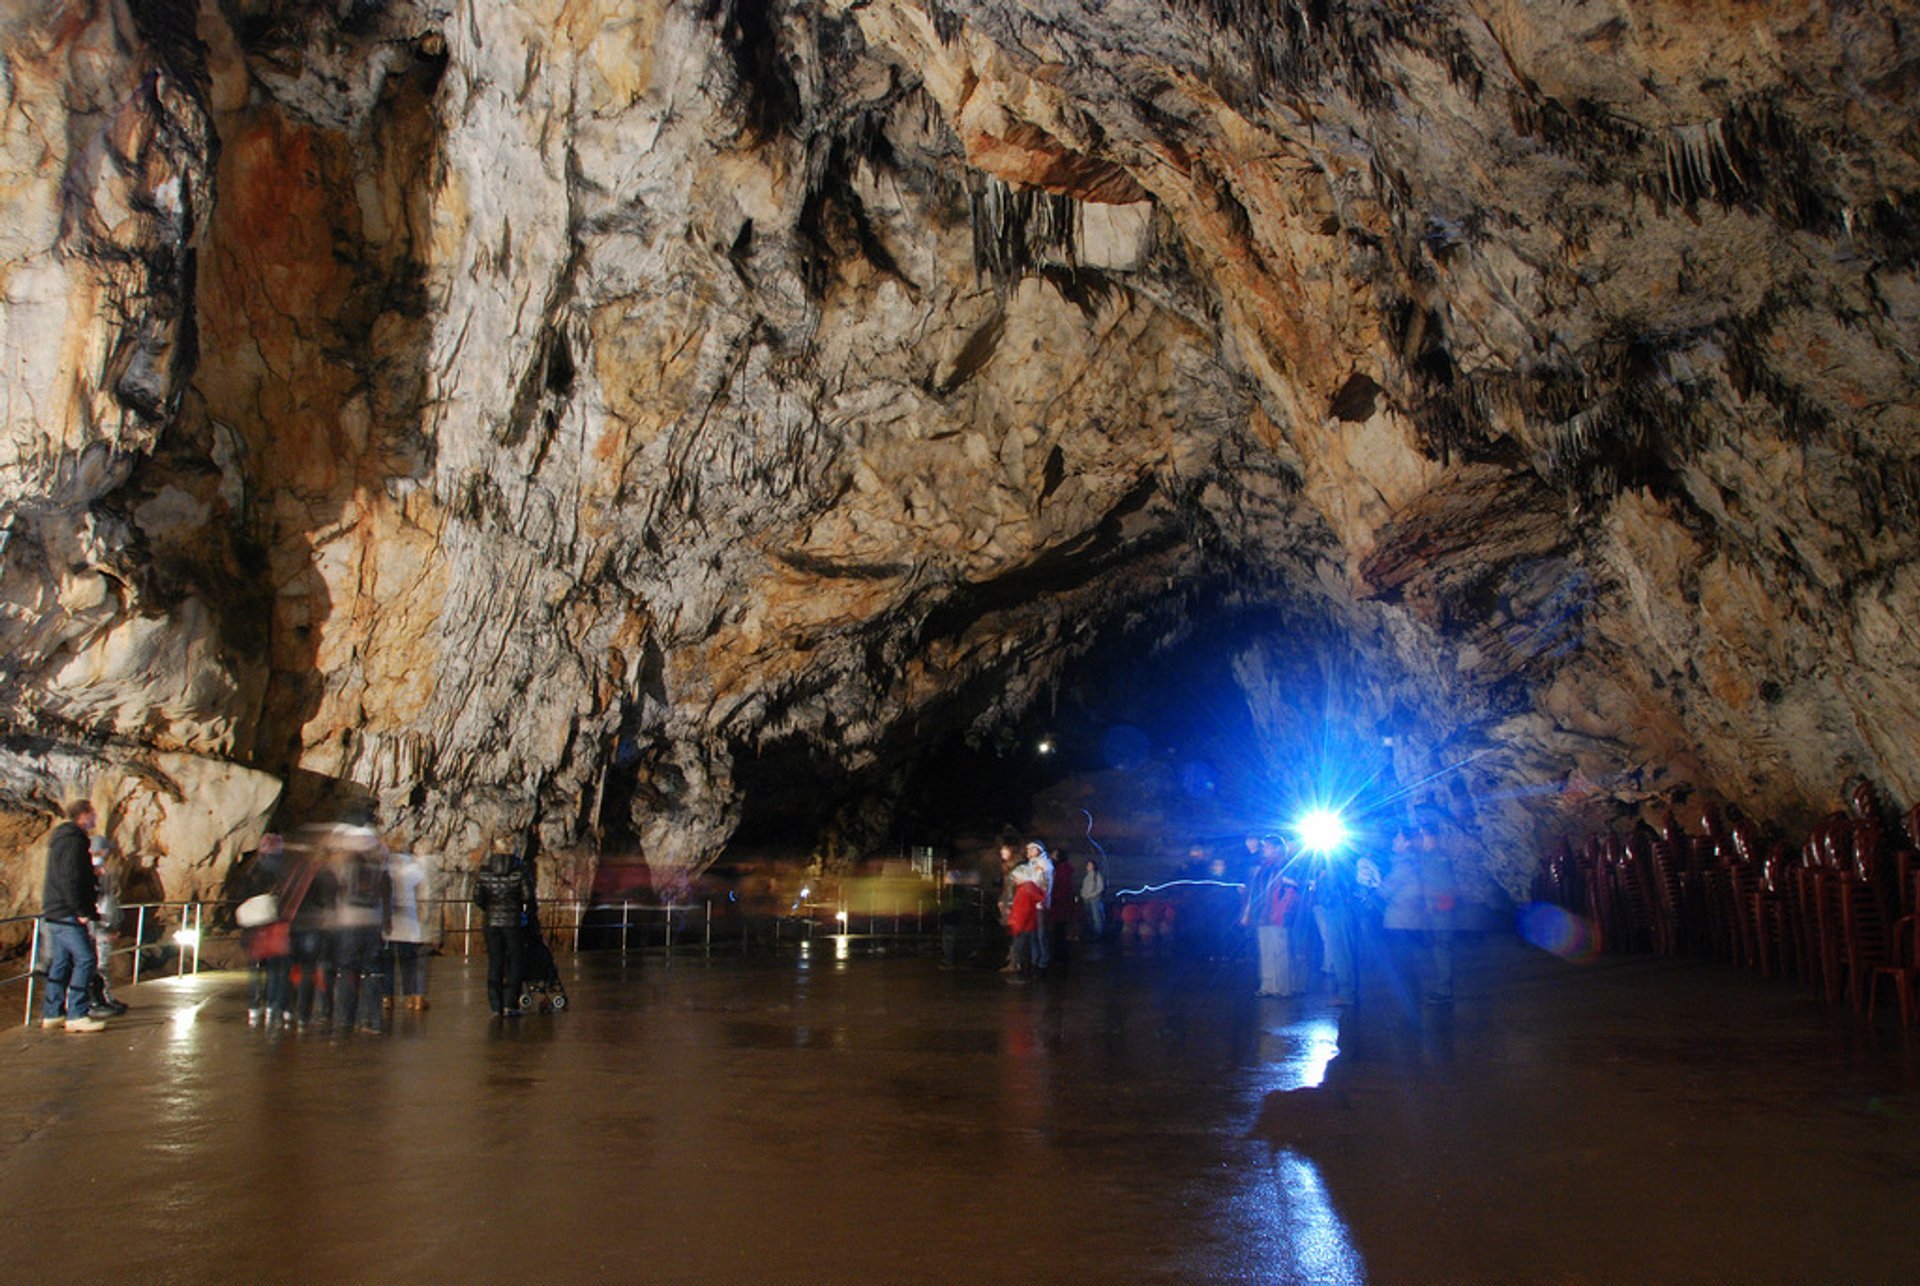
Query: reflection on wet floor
point(838, 1117)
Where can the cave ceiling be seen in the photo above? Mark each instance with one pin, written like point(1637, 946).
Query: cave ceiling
point(532, 411)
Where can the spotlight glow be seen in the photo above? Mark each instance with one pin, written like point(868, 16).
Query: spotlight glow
point(1321, 830)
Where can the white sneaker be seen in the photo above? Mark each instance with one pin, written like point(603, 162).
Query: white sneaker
point(88, 1023)
point(59, 1021)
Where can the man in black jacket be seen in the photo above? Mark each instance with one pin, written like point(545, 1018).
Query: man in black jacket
point(67, 906)
point(504, 895)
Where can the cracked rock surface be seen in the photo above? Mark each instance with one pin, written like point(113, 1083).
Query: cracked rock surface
point(520, 413)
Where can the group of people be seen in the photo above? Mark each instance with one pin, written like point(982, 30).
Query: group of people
point(1323, 912)
point(334, 931)
point(1040, 903)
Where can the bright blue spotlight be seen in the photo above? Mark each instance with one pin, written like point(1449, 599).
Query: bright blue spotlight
point(1321, 831)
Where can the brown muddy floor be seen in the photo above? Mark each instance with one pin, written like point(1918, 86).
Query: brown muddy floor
point(875, 1119)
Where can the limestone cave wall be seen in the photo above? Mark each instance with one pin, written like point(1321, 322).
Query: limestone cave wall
point(515, 413)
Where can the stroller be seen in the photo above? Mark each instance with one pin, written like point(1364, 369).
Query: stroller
point(541, 990)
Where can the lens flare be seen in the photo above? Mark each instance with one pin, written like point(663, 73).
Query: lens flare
point(1321, 831)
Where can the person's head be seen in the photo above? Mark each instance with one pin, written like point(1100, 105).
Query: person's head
point(97, 849)
point(1272, 847)
point(81, 813)
point(271, 843)
point(1035, 850)
point(1253, 844)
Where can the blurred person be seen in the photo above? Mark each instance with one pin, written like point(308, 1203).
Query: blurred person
point(312, 935)
point(501, 894)
point(359, 967)
point(1063, 911)
point(1421, 894)
point(1331, 895)
point(106, 926)
point(1093, 892)
point(1040, 867)
point(407, 931)
point(1025, 921)
point(1273, 897)
point(68, 906)
point(268, 970)
point(1009, 861)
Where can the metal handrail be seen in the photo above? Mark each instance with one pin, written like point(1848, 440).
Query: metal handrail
point(562, 922)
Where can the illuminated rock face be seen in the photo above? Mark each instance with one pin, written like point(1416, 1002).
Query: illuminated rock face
point(520, 410)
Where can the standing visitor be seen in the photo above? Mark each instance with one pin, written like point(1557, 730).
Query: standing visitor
point(106, 926)
point(1272, 899)
point(1093, 891)
point(503, 898)
point(269, 966)
point(68, 904)
point(1420, 893)
point(407, 931)
point(1041, 867)
point(1333, 895)
point(359, 970)
point(1025, 923)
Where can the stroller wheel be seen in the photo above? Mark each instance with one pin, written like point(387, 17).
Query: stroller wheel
point(528, 1002)
point(559, 1001)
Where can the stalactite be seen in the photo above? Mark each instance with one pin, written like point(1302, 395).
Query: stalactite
point(1017, 231)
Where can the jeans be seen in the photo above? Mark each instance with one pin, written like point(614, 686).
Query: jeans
point(1096, 917)
point(359, 979)
point(267, 986)
point(409, 969)
point(69, 969)
point(313, 961)
point(1042, 933)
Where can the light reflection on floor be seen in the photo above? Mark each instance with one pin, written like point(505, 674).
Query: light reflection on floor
point(1305, 1239)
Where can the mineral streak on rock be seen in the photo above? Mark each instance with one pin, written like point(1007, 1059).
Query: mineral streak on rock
point(516, 412)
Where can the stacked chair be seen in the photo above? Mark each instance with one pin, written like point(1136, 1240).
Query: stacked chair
point(1840, 911)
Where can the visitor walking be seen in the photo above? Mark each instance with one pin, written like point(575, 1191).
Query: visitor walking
point(68, 904)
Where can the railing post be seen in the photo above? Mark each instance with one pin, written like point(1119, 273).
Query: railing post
point(139, 938)
point(626, 912)
point(708, 944)
point(33, 962)
point(669, 935)
point(466, 933)
point(579, 918)
point(199, 933)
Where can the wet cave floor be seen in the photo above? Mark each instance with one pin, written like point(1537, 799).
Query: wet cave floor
point(873, 1118)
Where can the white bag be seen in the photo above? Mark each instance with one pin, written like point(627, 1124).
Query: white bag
point(261, 908)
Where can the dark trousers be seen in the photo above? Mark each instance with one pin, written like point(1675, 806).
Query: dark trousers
point(409, 969)
point(506, 967)
point(359, 978)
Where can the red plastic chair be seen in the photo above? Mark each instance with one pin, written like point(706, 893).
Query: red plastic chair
point(1904, 968)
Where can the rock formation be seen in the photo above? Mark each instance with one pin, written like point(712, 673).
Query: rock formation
point(524, 411)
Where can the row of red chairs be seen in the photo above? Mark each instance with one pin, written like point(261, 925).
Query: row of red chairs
point(1840, 911)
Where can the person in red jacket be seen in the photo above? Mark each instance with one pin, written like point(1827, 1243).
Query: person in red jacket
point(1023, 922)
